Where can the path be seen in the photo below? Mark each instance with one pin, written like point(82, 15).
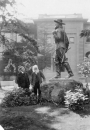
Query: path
point(64, 119)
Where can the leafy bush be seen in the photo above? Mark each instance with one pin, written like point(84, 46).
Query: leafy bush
point(61, 97)
point(51, 92)
point(84, 67)
point(18, 98)
point(75, 100)
point(46, 91)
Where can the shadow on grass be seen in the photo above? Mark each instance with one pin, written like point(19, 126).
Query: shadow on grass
point(23, 118)
point(36, 117)
point(22, 123)
point(84, 112)
point(29, 118)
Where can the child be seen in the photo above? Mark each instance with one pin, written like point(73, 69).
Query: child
point(22, 78)
point(36, 80)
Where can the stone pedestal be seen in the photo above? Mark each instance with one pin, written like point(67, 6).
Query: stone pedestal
point(56, 88)
point(63, 80)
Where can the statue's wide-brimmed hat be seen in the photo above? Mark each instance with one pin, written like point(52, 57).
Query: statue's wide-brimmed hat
point(88, 53)
point(59, 21)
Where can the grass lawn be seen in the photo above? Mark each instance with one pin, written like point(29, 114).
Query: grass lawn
point(43, 117)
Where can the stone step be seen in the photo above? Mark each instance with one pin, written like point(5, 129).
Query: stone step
point(60, 79)
point(8, 83)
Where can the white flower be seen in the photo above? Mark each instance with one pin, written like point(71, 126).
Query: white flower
point(1, 128)
point(78, 65)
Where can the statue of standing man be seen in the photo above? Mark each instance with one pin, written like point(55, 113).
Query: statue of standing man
point(62, 44)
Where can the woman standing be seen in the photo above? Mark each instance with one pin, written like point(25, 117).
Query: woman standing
point(22, 78)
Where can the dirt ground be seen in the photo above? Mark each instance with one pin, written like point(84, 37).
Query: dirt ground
point(43, 117)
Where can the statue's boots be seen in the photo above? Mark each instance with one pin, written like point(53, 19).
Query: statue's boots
point(58, 71)
point(68, 68)
point(58, 75)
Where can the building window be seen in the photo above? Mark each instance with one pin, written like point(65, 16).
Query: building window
point(71, 39)
point(88, 39)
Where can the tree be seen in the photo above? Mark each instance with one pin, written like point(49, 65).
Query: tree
point(46, 47)
point(84, 67)
point(16, 53)
point(85, 33)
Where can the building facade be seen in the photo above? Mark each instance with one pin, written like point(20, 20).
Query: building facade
point(74, 24)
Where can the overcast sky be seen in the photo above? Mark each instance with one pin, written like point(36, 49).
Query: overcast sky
point(32, 8)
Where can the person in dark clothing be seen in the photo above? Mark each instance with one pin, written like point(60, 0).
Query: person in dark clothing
point(30, 72)
point(36, 79)
point(22, 78)
point(62, 44)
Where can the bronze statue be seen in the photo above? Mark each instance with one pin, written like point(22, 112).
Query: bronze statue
point(62, 44)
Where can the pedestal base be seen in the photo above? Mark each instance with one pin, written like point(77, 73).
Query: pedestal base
point(60, 79)
point(56, 88)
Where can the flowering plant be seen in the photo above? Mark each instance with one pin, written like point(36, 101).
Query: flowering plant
point(84, 68)
point(75, 100)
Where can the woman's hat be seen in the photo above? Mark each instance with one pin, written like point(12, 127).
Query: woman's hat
point(21, 68)
point(88, 53)
point(59, 21)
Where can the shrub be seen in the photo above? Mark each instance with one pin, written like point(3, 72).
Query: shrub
point(18, 98)
point(51, 92)
point(75, 100)
point(61, 97)
point(84, 67)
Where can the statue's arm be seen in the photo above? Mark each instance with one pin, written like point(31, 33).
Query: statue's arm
point(66, 41)
point(57, 34)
